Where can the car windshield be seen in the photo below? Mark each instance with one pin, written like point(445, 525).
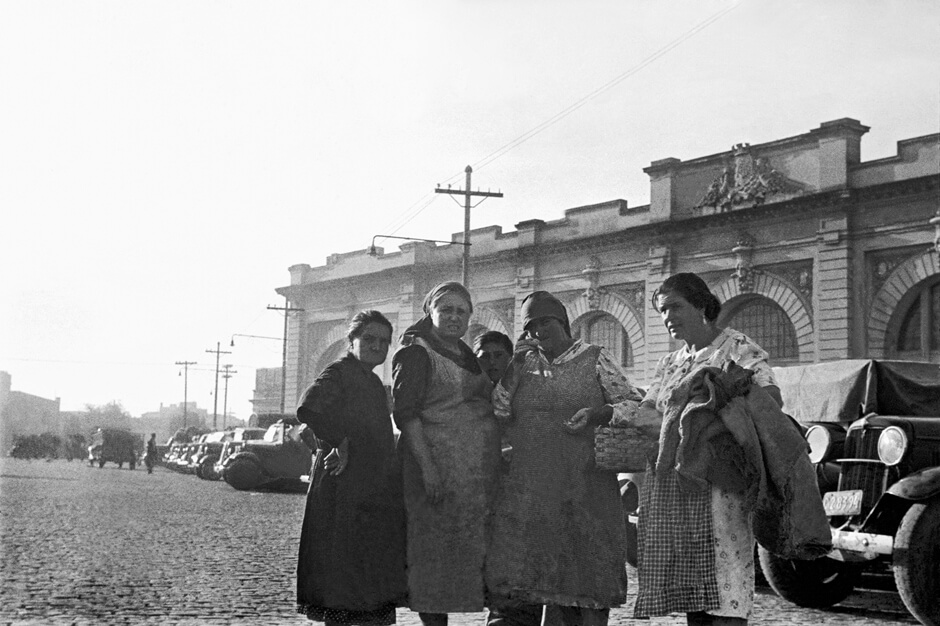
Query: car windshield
point(251, 434)
point(273, 434)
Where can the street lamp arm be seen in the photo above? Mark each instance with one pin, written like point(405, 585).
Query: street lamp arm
point(232, 341)
point(372, 251)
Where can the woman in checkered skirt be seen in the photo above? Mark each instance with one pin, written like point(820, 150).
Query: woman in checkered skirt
point(696, 549)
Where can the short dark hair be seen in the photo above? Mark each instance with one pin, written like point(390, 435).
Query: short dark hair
point(358, 323)
point(693, 289)
point(492, 336)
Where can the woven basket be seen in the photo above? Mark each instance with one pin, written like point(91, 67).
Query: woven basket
point(624, 448)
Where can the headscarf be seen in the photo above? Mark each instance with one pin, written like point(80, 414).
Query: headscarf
point(422, 327)
point(543, 304)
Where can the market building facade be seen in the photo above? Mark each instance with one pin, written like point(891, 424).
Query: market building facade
point(813, 253)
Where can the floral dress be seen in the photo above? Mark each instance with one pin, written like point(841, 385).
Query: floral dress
point(730, 521)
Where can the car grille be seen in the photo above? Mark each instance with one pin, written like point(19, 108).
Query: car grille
point(858, 470)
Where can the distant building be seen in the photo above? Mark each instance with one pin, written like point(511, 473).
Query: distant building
point(165, 421)
point(25, 414)
point(267, 394)
point(815, 254)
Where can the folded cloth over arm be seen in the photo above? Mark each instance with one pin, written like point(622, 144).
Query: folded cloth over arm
point(752, 445)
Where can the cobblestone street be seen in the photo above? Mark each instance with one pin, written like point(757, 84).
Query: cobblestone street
point(83, 545)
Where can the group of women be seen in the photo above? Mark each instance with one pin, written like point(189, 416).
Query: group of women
point(440, 523)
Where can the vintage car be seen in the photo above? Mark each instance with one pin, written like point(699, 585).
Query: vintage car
point(180, 455)
point(874, 436)
point(209, 452)
point(115, 445)
point(276, 461)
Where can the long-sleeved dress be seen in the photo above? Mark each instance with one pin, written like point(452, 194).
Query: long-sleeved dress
point(722, 582)
point(450, 395)
point(558, 534)
point(351, 565)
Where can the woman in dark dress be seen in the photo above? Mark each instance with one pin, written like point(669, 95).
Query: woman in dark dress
point(351, 567)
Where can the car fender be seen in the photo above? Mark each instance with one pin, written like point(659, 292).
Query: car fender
point(243, 454)
point(919, 485)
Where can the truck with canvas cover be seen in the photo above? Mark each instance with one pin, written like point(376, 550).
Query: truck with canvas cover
point(874, 438)
point(115, 445)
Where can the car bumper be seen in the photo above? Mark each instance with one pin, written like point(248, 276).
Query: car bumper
point(850, 545)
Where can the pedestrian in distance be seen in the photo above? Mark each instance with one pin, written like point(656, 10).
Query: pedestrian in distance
point(558, 537)
point(351, 562)
point(150, 456)
point(450, 453)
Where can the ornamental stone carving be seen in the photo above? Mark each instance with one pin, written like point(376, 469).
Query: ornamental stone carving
point(746, 181)
point(593, 293)
point(744, 271)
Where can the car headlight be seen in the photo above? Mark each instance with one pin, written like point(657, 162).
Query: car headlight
point(819, 442)
point(892, 444)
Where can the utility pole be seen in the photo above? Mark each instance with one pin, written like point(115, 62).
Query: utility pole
point(185, 365)
point(288, 309)
point(466, 193)
point(228, 374)
point(215, 396)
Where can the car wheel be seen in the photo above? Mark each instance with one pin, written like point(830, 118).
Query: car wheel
point(815, 584)
point(243, 474)
point(206, 468)
point(917, 561)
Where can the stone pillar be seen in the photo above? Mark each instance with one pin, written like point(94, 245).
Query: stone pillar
point(527, 268)
point(658, 341)
point(295, 325)
point(839, 146)
point(662, 188)
point(292, 390)
point(831, 293)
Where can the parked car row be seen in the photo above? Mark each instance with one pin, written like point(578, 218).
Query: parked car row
point(275, 457)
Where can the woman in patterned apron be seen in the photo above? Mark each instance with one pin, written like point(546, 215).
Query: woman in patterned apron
point(707, 573)
point(450, 452)
point(558, 534)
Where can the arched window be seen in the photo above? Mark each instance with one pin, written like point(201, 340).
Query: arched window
point(332, 353)
point(918, 333)
point(764, 321)
point(473, 332)
point(605, 330)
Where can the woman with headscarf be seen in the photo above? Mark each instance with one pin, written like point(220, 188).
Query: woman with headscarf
point(351, 563)
point(558, 534)
point(696, 548)
point(450, 451)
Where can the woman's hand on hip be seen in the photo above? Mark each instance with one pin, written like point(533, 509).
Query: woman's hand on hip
point(335, 462)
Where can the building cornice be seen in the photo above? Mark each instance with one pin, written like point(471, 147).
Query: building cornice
point(661, 231)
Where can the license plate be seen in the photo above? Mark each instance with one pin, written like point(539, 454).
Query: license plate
point(843, 502)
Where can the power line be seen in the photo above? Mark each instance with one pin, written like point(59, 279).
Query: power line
point(505, 148)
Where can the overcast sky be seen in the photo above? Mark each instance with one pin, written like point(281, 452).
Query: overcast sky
point(162, 164)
